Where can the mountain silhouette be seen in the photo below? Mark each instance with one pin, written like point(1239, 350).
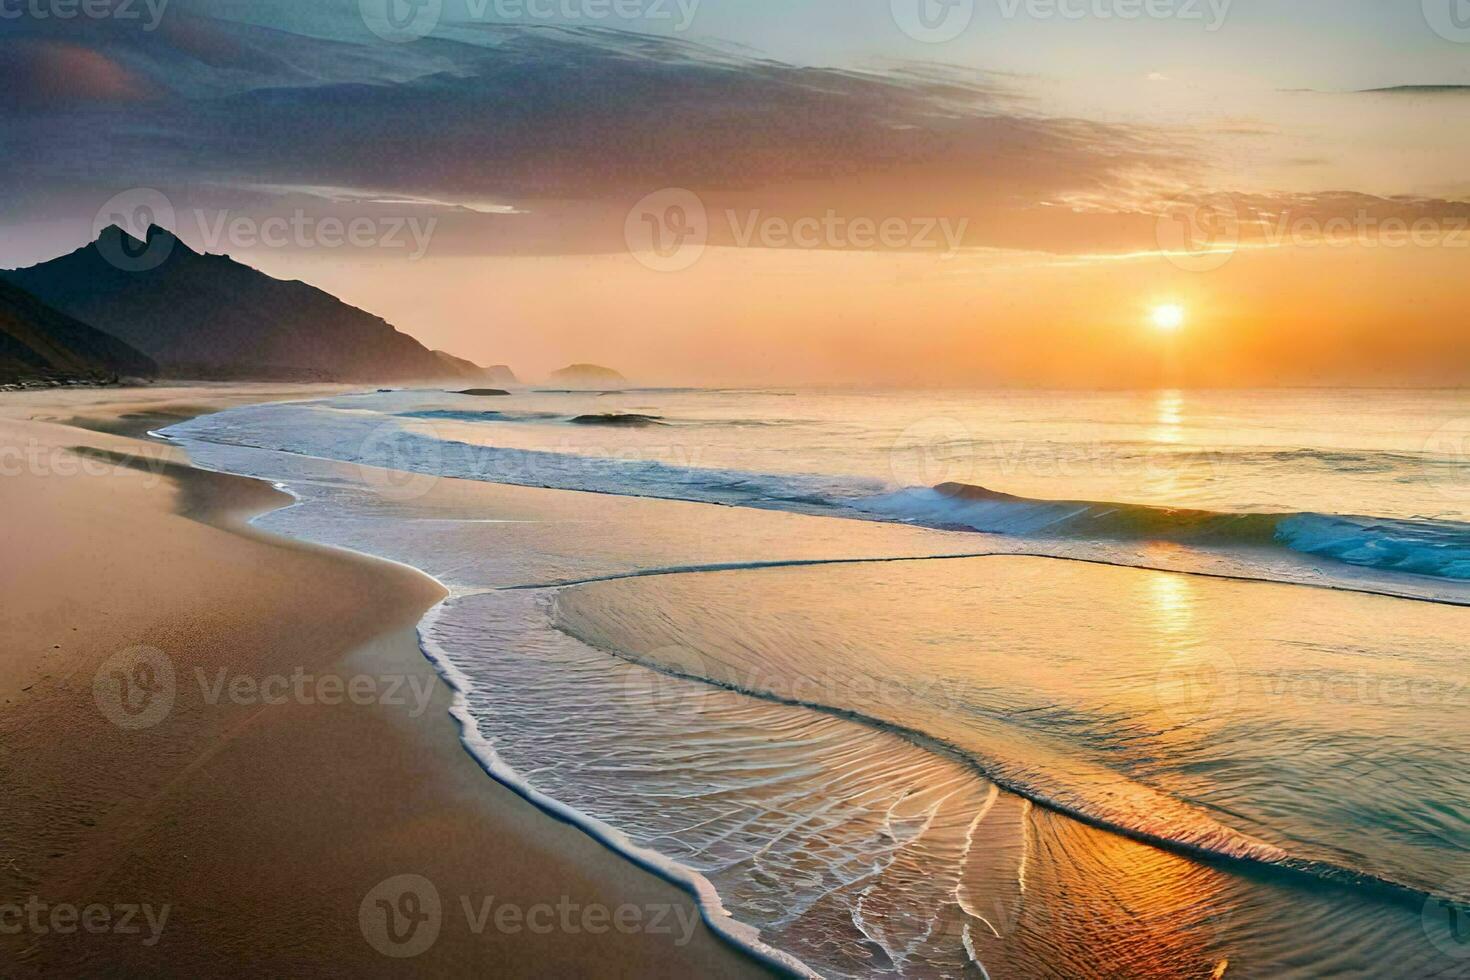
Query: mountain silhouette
point(38, 343)
point(210, 317)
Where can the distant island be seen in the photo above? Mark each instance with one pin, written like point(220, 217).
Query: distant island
point(587, 376)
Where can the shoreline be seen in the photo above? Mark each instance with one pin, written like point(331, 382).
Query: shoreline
point(262, 827)
point(716, 917)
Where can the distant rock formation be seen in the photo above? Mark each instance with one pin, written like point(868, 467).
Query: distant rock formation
point(41, 344)
point(210, 317)
point(619, 421)
point(588, 375)
point(502, 375)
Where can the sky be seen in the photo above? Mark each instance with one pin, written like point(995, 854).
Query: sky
point(915, 192)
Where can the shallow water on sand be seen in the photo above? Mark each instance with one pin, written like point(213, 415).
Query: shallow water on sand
point(1253, 720)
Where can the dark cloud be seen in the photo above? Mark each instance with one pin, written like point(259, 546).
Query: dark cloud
point(40, 74)
point(546, 118)
point(539, 139)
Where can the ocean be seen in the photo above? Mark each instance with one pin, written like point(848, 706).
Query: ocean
point(1010, 683)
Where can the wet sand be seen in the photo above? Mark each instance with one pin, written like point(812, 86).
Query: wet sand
point(241, 817)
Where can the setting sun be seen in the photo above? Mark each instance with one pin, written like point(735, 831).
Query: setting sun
point(1169, 317)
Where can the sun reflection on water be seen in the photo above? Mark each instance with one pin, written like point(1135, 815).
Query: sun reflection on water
point(1169, 417)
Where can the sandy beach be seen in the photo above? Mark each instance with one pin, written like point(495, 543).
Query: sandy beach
point(248, 816)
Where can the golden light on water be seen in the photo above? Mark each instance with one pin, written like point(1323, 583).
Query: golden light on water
point(1168, 317)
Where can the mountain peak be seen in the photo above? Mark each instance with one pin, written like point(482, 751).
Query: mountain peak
point(155, 233)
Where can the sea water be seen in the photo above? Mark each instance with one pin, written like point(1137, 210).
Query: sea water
point(1196, 707)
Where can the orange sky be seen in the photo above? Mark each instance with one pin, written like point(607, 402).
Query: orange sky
point(1292, 315)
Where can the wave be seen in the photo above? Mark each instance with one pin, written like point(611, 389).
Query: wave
point(1440, 549)
point(1427, 548)
point(482, 749)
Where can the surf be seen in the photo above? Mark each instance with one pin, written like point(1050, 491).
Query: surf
point(1433, 548)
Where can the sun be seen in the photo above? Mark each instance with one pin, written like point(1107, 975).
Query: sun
point(1168, 317)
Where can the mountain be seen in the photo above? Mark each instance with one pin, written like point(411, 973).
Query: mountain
point(585, 375)
point(502, 375)
point(38, 343)
point(208, 316)
point(458, 367)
